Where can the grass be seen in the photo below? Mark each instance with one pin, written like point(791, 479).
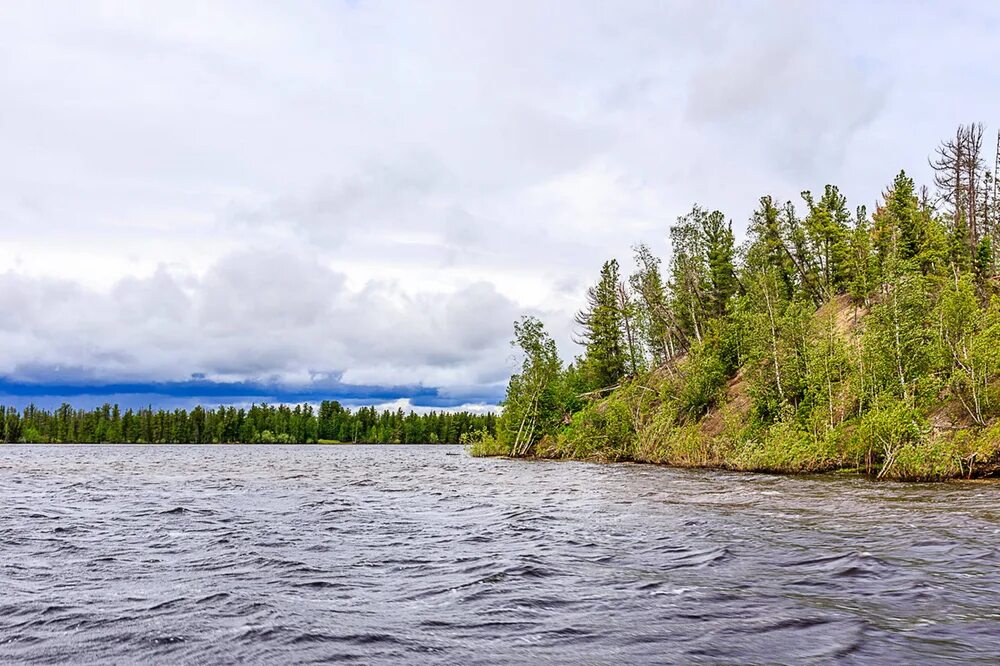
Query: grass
point(891, 441)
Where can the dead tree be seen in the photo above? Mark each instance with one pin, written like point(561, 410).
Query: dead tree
point(957, 174)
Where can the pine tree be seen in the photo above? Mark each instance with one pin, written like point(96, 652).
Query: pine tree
point(983, 263)
point(720, 256)
point(826, 228)
point(799, 251)
point(602, 330)
point(862, 267)
point(767, 245)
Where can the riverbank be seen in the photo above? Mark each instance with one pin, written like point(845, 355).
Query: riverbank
point(634, 424)
point(943, 465)
point(689, 414)
point(649, 419)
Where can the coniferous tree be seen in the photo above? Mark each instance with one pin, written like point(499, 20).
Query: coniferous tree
point(826, 228)
point(805, 262)
point(602, 330)
point(720, 258)
point(862, 264)
point(983, 261)
point(767, 246)
point(899, 227)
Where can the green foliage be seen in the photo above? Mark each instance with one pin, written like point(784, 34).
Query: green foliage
point(605, 430)
point(258, 424)
point(720, 258)
point(768, 249)
point(663, 441)
point(652, 314)
point(958, 252)
point(896, 347)
point(689, 278)
point(602, 330)
point(487, 445)
point(899, 232)
point(883, 431)
point(929, 461)
point(828, 367)
point(983, 261)
point(862, 263)
point(536, 396)
point(786, 447)
point(702, 374)
point(982, 450)
point(970, 340)
point(826, 342)
point(826, 229)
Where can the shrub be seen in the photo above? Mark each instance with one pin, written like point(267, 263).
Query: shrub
point(703, 373)
point(788, 448)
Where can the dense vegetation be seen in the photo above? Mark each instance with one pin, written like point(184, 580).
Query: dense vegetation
point(264, 424)
point(828, 340)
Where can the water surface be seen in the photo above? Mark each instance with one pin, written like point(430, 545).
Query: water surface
point(228, 554)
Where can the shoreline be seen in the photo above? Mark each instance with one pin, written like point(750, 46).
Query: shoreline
point(843, 473)
point(224, 444)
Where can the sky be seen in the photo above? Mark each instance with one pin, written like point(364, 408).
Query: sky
point(236, 202)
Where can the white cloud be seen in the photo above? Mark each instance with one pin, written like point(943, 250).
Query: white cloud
point(407, 406)
point(377, 189)
point(260, 316)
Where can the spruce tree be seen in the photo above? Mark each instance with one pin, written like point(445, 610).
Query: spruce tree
point(720, 252)
point(826, 228)
point(862, 267)
point(602, 328)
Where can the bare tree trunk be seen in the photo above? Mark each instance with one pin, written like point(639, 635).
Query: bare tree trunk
point(623, 305)
point(898, 348)
point(829, 372)
point(694, 318)
point(973, 163)
point(774, 342)
point(996, 203)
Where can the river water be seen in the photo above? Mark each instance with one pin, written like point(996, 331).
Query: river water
point(294, 554)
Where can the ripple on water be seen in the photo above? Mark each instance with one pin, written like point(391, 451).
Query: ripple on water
point(279, 554)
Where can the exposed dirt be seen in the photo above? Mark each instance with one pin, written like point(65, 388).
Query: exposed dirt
point(736, 400)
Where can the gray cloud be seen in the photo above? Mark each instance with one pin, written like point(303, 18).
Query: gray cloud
point(374, 190)
point(787, 91)
point(254, 316)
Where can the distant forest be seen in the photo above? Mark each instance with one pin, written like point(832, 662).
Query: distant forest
point(259, 424)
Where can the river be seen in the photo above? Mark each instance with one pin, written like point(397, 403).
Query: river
point(422, 554)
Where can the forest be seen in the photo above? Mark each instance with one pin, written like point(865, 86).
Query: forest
point(258, 424)
point(831, 339)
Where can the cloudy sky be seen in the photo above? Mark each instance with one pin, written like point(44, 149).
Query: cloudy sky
point(244, 201)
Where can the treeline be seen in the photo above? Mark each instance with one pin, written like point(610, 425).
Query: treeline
point(263, 424)
point(831, 338)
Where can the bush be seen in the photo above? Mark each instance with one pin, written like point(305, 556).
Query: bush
point(928, 461)
point(703, 373)
point(666, 442)
point(786, 447)
point(604, 430)
point(486, 446)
